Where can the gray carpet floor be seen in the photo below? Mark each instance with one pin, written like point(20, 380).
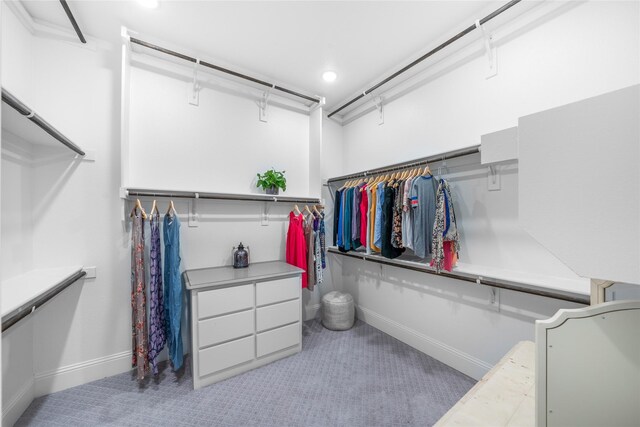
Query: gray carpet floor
point(360, 377)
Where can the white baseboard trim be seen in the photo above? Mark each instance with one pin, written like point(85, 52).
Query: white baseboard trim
point(311, 311)
point(453, 357)
point(18, 404)
point(81, 373)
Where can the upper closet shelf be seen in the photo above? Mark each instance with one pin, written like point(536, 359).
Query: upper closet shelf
point(552, 287)
point(14, 121)
point(21, 295)
point(137, 192)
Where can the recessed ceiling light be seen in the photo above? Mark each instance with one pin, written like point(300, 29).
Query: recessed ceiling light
point(329, 76)
point(150, 4)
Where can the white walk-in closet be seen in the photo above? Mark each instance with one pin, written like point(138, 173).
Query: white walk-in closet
point(320, 213)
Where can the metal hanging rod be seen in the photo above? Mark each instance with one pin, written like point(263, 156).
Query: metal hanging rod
point(65, 6)
point(468, 277)
point(135, 192)
point(28, 113)
point(412, 163)
point(221, 69)
point(30, 306)
point(428, 54)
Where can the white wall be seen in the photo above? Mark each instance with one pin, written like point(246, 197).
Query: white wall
point(74, 206)
point(218, 146)
point(16, 244)
point(17, 370)
point(17, 157)
point(589, 49)
point(315, 151)
point(549, 63)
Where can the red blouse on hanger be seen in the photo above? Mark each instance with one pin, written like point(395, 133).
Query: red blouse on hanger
point(296, 250)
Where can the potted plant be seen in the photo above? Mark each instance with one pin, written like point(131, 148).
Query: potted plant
point(272, 180)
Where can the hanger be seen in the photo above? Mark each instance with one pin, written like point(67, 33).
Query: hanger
point(427, 171)
point(392, 179)
point(306, 209)
point(315, 209)
point(154, 208)
point(138, 205)
point(296, 210)
point(171, 209)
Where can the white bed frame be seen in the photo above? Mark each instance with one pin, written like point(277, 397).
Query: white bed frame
point(588, 366)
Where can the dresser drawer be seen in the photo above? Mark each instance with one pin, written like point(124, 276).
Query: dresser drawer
point(276, 315)
point(225, 328)
point(226, 355)
point(278, 290)
point(226, 300)
point(278, 339)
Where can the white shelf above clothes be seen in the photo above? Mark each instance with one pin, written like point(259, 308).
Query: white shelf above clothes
point(138, 192)
point(22, 121)
point(552, 287)
point(22, 294)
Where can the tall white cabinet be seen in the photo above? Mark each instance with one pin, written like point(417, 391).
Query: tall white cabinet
point(242, 318)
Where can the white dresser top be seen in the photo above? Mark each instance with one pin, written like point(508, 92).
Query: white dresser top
point(224, 276)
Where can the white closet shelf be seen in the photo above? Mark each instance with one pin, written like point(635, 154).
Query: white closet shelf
point(140, 192)
point(25, 123)
point(577, 290)
point(21, 295)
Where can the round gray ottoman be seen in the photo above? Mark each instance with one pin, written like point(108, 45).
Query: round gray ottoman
point(338, 313)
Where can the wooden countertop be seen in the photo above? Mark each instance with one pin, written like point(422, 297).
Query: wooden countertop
point(504, 397)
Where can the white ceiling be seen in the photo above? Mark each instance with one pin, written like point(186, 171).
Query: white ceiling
point(289, 42)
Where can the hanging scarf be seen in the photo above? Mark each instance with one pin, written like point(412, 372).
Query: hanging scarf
point(140, 356)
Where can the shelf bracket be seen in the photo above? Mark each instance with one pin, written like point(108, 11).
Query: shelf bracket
point(194, 88)
point(263, 103)
point(264, 220)
point(490, 51)
point(193, 210)
point(377, 101)
point(493, 178)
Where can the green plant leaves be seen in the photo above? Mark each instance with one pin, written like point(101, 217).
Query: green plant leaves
point(272, 178)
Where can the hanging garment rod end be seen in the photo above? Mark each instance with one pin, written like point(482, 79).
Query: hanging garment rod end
point(124, 33)
point(73, 21)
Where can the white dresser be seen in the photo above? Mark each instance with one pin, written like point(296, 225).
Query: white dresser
point(242, 318)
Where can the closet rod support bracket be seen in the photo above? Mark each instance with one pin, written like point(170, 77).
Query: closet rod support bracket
point(264, 220)
point(263, 103)
point(193, 210)
point(377, 101)
point(490, 51)
point(194, 88)
point(493, 178)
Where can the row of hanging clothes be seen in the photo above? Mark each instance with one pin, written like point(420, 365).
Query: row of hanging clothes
point(160, 325)
point(390, 214)
point(306, 244)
